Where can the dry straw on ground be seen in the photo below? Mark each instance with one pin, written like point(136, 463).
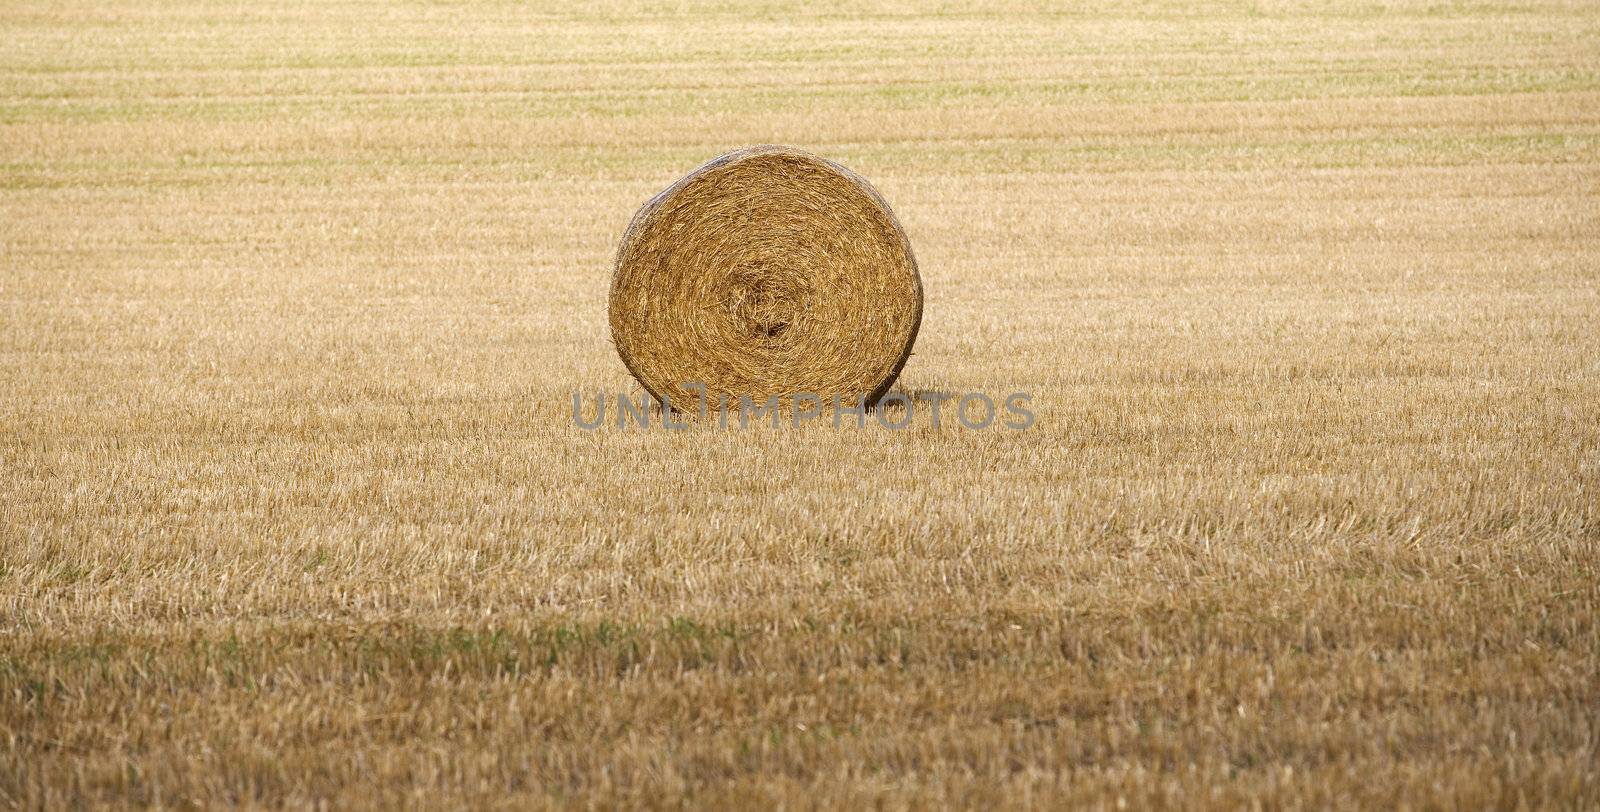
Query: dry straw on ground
point(767, 271)
point(294, 298)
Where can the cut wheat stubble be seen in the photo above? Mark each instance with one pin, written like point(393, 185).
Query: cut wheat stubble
point(766, 272)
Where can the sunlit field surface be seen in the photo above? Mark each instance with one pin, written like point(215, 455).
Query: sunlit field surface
point(294, 299)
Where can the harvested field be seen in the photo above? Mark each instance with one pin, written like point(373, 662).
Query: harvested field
point(294, 299)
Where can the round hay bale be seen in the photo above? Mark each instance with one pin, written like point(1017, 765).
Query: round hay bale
point(767, 271)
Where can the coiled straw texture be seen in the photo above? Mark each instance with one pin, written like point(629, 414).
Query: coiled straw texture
point(767, 271)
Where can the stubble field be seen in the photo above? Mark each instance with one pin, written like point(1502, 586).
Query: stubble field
point(294, 299)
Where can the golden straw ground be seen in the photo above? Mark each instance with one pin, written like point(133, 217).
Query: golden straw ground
point(767, 271)
point(294, 298)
